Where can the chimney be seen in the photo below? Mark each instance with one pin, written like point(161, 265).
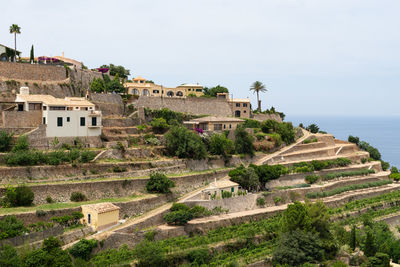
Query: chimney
point(24, 90)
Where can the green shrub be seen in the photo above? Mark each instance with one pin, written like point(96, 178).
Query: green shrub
point(373, 152)
point(276, 138)
point(87, 156)
point(312, 178)
point(385, 165)
point(183, 143)
point(221, 145)
point(353, 139)
point(394, 169)
point(260, 136)
point(22, 144)
point(277, 200)
point(312, 140)
point(180, 217)
point(313, 128)
point(77, 197)
point(159, 183)
point(199, 211)
point(243, 142)
point(5, 141)
point(395, 176)
point(226, 194)
point(9, 256)
point(247, 178)
point(21, 195)
point(335, 175)
point(149, 254)
point(250, 123)
point(159, 125)
point(198, 257)
point(10, 226)
point(260, 202)
point(179, 206)
point(83, 248)
point(118, 169)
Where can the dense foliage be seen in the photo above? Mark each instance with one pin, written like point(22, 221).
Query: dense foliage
point(183, 143)
point(243, 142)
point(117, 70)
point(21, 195)
point(221, 145)
point(100, 85)
point(10, 226)
point(159, 183)
point(284, 129)
point(159, 125)
point(31, 158)
point(212, 92)
point(170, 116)
point(83, 248)
point(5, 141)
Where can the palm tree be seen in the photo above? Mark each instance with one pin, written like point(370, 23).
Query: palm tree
point(258, 87)
point(15, 29)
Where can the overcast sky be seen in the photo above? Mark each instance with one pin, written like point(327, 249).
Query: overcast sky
point(324, 57)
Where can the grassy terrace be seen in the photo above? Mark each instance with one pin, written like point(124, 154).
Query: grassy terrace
point(63, 205)
point(78, 180)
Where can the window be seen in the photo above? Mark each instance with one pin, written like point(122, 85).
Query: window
point(44, 120)
point(94, 121)
point(189, 89)
point(237, 104)
point(237, 113)
point(245, 105)
point(89, 218)
point(217, 127)
point(57, 108)
point(156, 91)
point(230, 126)
point(232, 189)
point(82, 121)
point(68, 119)
point(244, 111)
point(84, 108)
point(35, 106)
point(199, 90)
point(224, 126)
point(20, 107)
point(44, 107)
point(70, 108)
point(59, 122)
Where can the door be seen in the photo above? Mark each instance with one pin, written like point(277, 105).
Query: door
point(89, 218)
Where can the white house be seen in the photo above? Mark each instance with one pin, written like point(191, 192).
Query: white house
point(68, 117)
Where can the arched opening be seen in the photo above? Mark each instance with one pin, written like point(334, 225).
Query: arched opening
point(237, 113)
point(3, 57)
point(135, 92)
point(170, 93)
point(179, 93)
point(145, 92)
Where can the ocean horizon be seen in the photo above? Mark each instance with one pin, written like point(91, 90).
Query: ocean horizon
point(379, 131)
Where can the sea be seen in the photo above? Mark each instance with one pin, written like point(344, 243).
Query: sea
point(380, 132)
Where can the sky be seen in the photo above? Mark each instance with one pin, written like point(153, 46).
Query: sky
point(324, 57)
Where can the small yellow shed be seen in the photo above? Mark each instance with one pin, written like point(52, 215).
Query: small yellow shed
point(100, 216)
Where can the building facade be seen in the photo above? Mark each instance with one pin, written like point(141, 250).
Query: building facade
point(142, 87)
point(68, 117)
point(7, 53)
point(100, 216)
point(240, 107)
point(213, 124)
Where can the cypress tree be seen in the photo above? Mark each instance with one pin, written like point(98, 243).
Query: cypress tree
point(353, 239)
point(369, 250)
point(32, 58)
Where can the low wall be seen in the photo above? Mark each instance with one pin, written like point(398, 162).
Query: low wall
point(233, 204)
point(192, 105)
point(22, 118)
point(264, 117)
point(25, 71)
point(32, 237)
point(83, 171)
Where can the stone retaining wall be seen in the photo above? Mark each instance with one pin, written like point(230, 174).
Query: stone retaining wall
point(192, 105)
point(22, 118)
point(38, 72)
point(32, 237)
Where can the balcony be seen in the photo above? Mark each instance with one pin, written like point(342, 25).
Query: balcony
point(94, 113)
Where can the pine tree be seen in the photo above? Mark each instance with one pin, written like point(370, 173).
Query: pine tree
point(353, 238)
point(32, 58)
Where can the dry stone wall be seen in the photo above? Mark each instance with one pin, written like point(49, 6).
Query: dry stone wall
point(22, 118)
point(109, 104)
point(192, 105)
point(21, 71)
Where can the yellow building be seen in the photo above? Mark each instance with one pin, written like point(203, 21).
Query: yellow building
point(241, 107)
point(100, 216)
point(141, 87)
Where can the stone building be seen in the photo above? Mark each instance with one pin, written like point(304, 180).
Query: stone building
point(213, 124)
point(215, 189)
point(7, 53)
point(68, 117)
point(240, 107)
point(142, 87)
point(100, 216)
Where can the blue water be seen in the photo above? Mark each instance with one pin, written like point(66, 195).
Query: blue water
point(381, 132)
